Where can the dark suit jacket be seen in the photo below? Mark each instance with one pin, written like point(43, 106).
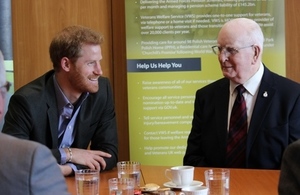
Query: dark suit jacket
point(275, 123)
point(32, 114)
point(289, 180)
point(28, 168)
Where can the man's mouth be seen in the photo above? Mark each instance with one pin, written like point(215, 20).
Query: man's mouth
point(93, 79)
point(226, 67)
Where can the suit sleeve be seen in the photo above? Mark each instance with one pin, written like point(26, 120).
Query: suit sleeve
point(18, 118)
point(23, 120)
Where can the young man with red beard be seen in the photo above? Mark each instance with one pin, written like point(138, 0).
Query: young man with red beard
point(70, 107)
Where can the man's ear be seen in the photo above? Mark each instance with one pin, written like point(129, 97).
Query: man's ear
point(257, 51)
point(65, 64)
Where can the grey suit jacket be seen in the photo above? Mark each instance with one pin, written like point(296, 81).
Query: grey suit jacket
point(275, 123)
point(33, 114)
point(289, 180)
point(28, 168)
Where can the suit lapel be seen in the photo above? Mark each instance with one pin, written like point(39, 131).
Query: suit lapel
point(264, 98)
point(52, 111)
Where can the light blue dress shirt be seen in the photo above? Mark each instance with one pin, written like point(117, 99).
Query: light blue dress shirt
point(67, 117)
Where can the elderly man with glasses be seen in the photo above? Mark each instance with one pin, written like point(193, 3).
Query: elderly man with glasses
point(254, 131)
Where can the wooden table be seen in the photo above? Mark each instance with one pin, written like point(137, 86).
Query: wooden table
point(242, 181)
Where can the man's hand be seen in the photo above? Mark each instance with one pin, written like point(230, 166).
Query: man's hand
point(90, 158)
point(66, 170)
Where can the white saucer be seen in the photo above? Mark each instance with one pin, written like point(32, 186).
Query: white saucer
point(172, 185)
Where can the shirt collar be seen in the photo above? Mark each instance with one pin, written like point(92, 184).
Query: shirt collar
point(252, 84)
point(62, 100)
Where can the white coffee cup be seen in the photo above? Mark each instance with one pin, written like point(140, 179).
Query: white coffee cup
point(180, 175)
point(194, 190)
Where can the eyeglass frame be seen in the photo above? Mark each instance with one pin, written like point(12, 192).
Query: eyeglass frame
point(5, 88)
point(228, 50)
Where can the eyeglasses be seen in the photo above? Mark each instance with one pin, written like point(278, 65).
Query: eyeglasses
point(5, 88)
point(228, 50)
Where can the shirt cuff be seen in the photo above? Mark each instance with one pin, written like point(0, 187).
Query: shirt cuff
point(63, 154)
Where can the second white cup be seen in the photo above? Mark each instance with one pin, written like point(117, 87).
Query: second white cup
point(180, 175)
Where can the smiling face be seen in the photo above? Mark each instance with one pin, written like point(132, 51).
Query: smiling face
point(83, 75)
point(236, 66)
point(242, 64)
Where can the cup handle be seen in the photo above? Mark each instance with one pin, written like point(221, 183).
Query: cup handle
point(167, 172)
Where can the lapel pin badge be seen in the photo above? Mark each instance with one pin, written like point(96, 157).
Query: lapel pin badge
point(265, 94)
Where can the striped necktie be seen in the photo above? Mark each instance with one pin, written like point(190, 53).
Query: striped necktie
point(237, 134)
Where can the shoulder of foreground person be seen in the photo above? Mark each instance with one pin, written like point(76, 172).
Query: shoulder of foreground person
point(29, 167)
